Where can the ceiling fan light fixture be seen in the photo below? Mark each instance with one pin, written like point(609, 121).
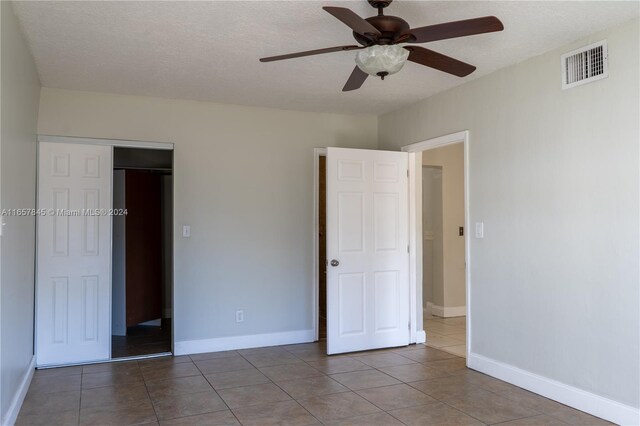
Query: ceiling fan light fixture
point(382, 60)
point(382, 38)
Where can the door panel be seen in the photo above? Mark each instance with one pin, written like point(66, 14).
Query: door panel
point(73, 288)
point(352, 299)
point(367, 234)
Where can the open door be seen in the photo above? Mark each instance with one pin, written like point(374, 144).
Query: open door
point(73, 286)
point(367, 250)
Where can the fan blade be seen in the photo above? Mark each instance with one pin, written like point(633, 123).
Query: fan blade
point(309, 53)
point(353, 21)
point(468, 27)
point(441, 62)
point(356, 79)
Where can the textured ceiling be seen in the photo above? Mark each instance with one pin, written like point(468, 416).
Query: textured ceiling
point(209, 50)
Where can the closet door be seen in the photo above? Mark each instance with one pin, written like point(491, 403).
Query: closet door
point(73, 285)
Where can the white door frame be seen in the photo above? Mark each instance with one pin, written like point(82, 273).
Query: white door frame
point(415, 228)
point(119, 143)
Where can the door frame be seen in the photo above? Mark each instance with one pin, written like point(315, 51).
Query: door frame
point(415, 228)
point(113, 143)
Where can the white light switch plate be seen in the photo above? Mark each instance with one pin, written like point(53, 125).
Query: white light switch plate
point(186, 231)
point(479, 229)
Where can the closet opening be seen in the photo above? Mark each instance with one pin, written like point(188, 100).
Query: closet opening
point(142, 252)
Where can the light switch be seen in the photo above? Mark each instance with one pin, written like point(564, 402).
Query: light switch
point(479, 229)
point(186, 231)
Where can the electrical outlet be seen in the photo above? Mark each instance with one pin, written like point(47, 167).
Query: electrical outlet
point(186, 231)
point(239, 315)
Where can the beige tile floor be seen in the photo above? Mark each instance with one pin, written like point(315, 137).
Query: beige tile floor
point(447, 334)
point(288, 385)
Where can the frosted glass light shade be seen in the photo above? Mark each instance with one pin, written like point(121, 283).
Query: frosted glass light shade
point(377, 59)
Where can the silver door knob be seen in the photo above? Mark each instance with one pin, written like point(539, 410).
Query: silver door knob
point(334, 262)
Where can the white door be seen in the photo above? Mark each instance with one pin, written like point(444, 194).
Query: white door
point(73, 288)
point(367, 250)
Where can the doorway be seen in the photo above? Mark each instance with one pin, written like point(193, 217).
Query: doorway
point(415, 246)
point(439, 235)
point(443, 248)
point(142, 252)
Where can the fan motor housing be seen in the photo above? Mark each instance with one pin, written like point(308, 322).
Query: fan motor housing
point(378, 4)
point(390, 27)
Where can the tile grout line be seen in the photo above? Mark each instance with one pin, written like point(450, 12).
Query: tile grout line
point(325, 375)
point(391, 414)
point(180, 377)
point(469, 414)
point(214, 389)
point(270, 381)
point(81, 389)
point(528, 417)
point(153, 406)
point(376, 387)
point(322, 374)
point(289, 395)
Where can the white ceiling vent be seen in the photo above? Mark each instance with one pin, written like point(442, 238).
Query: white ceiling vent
point(585, 65)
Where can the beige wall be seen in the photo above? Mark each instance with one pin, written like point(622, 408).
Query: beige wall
point(554, 176)
point(243, 180)
point(20, 92)
point(451, 159)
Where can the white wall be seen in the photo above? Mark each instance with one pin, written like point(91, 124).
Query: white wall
point(243, 180)
point(20, 93)
point(554, 176)
point(451, 159)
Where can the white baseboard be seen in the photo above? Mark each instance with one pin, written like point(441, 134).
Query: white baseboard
point(243, 342)
point(421, 336)
point(574, 397)
point(16, 403)
point(446, 311)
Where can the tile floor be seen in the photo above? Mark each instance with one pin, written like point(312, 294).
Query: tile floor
point(447, 334)
point(288, 385)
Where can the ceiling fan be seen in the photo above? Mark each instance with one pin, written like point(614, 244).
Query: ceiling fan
point(382, 39)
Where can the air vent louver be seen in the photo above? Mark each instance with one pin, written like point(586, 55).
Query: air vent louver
point(585, 65)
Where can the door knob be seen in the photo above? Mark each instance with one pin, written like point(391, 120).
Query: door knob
point(334, 262)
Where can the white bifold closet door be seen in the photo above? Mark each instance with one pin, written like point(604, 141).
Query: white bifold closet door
point(367, 249)
point(73, 285)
